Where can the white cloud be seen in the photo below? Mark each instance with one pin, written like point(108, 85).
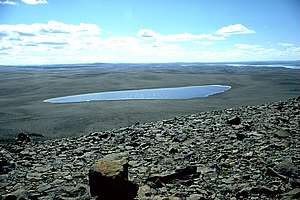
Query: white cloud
point(119, 43)
point(206, 43)
point(233, 30)
point(247, 46)
point(286, 44)
point(189, 37)
point(35, 2)
point(148, 34)
point(8, 2)
point(51, 37)
point(51, 29)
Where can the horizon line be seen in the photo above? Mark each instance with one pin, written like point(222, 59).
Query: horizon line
point(93, 63)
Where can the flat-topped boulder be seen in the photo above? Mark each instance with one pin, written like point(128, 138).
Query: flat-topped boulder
point(108, 178)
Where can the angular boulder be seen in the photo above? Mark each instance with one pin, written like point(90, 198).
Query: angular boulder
point(287, 168)
point(282, 134)
point(108, 178)
point(23, 138)
point(168, 177)
point(234, 121)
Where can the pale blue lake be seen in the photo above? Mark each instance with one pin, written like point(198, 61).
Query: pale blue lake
point(159, 93)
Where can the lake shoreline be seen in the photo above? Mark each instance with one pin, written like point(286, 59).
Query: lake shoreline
point(180, 93)
point(23, 90)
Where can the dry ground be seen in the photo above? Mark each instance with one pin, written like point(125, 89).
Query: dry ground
point(23, 90)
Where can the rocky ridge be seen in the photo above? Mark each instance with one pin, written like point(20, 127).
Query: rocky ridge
point(251, 152)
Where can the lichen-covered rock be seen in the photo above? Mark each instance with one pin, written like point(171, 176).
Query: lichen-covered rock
point(108, 179)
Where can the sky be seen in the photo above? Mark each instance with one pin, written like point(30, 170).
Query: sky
point(142, 31)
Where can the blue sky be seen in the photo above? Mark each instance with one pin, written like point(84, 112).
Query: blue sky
point(87, 31)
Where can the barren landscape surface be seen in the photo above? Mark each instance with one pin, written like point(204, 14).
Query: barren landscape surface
point(23, 90)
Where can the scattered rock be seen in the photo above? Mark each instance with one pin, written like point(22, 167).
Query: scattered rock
point(144, 191)
point(271, 172)
point(34, 176)
point(166, 198)
point(23, 137)
point(293, 194)
point(178, 174)
point(282, 134)
point(295, 183)
point(180, 137)
point(266, 191)
point(234, 121)
point(199, 156)
point(16, 195)
point(6, 162)
point(223, 156)
point(287, 168)
point(196, 197)
point(240, 136)
point(243, 194)
point(173, 150)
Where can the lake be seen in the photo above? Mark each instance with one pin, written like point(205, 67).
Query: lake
point(188, 92)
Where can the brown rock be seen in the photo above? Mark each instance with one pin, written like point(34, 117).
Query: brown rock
point(108, 179)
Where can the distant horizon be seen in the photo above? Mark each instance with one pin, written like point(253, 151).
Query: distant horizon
point(42, 32)
point(140, 63)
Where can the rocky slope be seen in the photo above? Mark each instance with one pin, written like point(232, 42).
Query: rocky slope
point(251, 152)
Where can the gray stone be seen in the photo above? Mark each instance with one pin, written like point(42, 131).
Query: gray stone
point(144, 191)
point(23, 137)
point(293, 194)
point(234, 121)
point(6, 162)
point(282, 134)
point(168, 177)
point(195, 197)
point(43, 187)
point(287, 168)
point(34, 176)
point(17, 194)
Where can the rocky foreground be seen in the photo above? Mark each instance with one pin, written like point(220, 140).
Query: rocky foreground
point(252, 152)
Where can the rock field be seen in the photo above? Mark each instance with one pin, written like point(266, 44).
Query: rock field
point(251, 152)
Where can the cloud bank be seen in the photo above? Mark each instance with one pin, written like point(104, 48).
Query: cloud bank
point(8, 2)
point(35, 2)
point(148, 34)
point(285, 44)
point(29, 2)
point(57, 43)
